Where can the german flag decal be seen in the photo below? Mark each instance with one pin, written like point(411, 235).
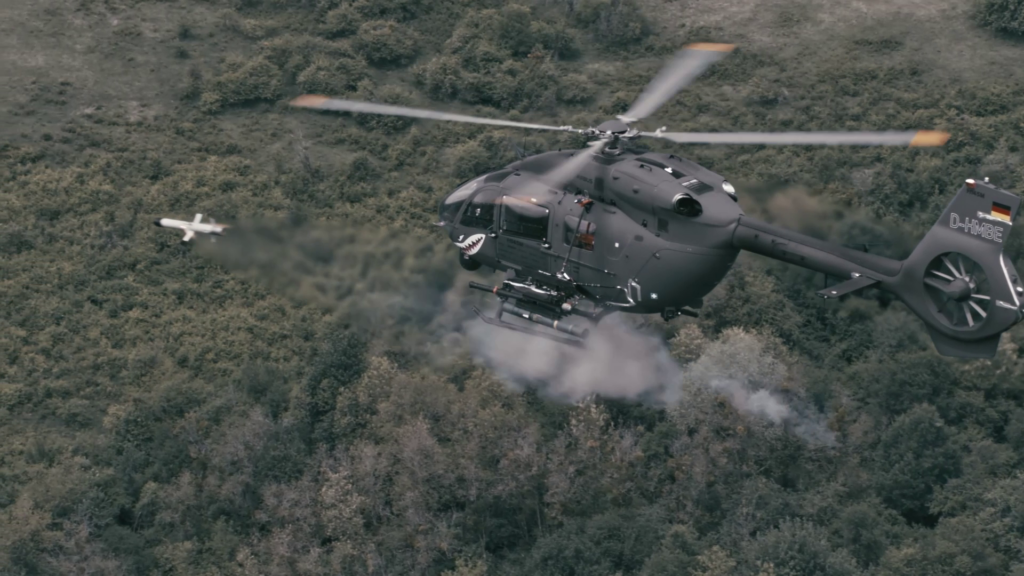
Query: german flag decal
point(1001, 211)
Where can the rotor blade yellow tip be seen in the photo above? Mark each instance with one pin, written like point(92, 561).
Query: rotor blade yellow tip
point(929, 138)
point(309, 101)
point(712, 47)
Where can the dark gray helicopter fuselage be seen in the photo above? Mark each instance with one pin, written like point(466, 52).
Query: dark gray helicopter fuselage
point(657, 237)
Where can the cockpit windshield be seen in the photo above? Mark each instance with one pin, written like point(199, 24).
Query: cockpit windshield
point(452, 203)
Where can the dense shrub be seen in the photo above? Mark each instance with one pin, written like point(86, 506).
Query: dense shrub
point(799, 547)
point(242, 82)
point(14, 241)
point(618, 22)
point(555, 36)
point(512, 29)
point(342, 21)
point(174, 408)
point(385, 43)
point(441, 77)
point(575, 89)
point(332, 75)
point(295, 53)
point(505, 58)
point(470, 159)
point(1003, 15)
point(916, 454)
point(362, 168)
point(340, 362)
point(400, 10)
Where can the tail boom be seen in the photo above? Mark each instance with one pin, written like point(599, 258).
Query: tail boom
point(957, 280)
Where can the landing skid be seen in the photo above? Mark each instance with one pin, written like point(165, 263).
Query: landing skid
point(497, 321)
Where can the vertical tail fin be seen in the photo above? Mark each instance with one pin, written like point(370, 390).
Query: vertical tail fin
point(958, 280)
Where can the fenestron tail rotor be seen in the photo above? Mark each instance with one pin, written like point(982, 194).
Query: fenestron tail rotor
point(959, 290)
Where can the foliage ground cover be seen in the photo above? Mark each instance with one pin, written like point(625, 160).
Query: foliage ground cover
point(286, 405)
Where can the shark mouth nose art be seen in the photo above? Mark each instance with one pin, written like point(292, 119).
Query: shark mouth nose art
point(472, 244)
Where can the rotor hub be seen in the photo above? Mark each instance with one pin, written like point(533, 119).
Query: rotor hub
point(616, 127)
point(961, 289)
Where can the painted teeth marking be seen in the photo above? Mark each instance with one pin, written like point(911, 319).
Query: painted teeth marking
point(471, 244)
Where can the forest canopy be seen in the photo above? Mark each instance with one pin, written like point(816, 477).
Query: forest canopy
point(307, 396)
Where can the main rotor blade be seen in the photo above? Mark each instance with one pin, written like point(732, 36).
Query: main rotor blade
point(325, 103)
point(685, 66)
point(909, 138)
point(560, 176)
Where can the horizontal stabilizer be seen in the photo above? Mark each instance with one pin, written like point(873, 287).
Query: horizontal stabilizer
point(847, 287)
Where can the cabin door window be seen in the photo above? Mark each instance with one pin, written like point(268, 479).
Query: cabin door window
point(524, 219)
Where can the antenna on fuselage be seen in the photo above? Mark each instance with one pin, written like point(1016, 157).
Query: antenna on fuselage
point(585, 203)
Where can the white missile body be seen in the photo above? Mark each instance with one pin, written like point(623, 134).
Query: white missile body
point(193, 227)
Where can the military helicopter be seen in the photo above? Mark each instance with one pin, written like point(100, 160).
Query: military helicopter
point(584, 233)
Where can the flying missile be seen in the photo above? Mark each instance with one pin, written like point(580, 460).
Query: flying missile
point(193, 227)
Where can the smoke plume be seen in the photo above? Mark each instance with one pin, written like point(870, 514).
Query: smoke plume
point(621, 361)
point(618, 361)
point(382, 280)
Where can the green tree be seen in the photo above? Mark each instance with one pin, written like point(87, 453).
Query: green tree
point(340, 363)
point(867, 529)
point(799, 547)
point(916, 454)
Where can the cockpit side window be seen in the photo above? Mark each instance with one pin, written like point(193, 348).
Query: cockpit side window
point(582, 238)
point(524, 219)
point(479, 212)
